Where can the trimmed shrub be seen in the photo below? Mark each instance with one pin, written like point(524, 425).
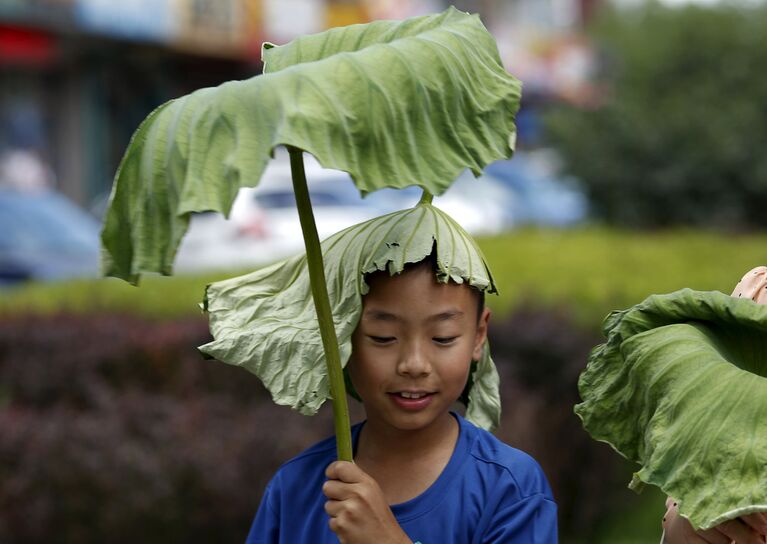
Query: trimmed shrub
point(540, 355)
point(114, 429)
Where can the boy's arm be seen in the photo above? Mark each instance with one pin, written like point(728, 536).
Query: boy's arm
point(357, 508)
point(266, 525)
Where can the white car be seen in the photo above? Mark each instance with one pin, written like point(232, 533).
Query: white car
point(263, 224)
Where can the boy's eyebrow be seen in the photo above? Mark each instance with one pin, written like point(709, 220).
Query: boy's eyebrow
point(381, 315)
point(447, 315)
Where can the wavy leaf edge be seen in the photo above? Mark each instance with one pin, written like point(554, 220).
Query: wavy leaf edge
point(622, 325)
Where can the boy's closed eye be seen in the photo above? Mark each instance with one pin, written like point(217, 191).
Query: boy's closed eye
point(385, 340)
point(382, 340)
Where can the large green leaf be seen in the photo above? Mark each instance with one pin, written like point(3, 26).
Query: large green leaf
point(392, 103)
point(681, 388)
point(265, 321)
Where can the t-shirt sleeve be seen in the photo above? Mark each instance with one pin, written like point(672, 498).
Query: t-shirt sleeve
point(266, 525)
point(532, 520)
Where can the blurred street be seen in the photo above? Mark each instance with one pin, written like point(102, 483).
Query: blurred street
point(639, 169)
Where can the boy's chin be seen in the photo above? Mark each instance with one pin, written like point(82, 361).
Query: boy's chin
point(416, 421)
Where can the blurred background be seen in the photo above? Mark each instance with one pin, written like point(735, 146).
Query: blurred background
point(640, 169)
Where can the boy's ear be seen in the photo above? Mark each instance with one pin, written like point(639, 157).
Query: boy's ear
point(481, 336)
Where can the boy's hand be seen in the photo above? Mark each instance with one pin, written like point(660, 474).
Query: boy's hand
point(748, 529)
point(357, 508)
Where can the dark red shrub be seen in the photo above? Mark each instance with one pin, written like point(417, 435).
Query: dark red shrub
point(114, 429)
point(540, 355)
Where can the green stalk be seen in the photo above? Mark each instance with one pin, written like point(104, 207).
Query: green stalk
point(322, 305)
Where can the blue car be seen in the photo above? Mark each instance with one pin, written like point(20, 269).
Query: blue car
point(44, 236)
point(541, 198)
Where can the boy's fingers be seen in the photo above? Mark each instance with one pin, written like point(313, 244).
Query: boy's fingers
point(757, 521)
point(338, 490)
point(344, 471)
point(333, 508)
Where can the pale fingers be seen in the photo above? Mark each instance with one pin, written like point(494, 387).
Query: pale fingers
point(677, 530)
point(757, 521)
point(740, 532)
point(713, 536)
point(753, 285)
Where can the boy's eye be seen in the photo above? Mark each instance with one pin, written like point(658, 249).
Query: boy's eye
point(382, 339)
point(444, 340)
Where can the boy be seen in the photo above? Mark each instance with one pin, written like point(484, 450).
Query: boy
point(421, 473)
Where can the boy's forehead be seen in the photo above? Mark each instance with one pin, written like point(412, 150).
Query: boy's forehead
point(420, 281)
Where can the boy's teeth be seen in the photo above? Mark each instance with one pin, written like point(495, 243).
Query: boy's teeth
point(412, 395)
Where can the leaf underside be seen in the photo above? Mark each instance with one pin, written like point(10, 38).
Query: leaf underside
point(680, 387)
point(393, 103)
point(266, 323)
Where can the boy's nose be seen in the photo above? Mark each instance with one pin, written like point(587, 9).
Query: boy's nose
point(414, 363)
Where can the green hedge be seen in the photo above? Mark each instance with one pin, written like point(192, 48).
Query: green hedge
point(594, 271)
point(114, 429)
point(590, 271)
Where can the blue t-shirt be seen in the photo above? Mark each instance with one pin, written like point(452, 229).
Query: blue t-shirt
point(489, 492)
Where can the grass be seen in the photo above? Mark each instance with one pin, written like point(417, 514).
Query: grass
point(156, 297)
point(587, 271)
point(593, 271)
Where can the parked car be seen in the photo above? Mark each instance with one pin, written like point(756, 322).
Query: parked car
point(44, 236)
point(541, 196)
point(263, 224)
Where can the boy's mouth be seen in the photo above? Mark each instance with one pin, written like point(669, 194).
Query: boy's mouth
point(412, 400)
point(412, 395)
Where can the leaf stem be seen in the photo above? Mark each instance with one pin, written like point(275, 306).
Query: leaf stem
point(322, 306)
point(426, 197)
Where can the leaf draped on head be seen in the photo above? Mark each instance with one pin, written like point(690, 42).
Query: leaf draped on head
point(265, 321)
point(680, 387)
point(392, 103)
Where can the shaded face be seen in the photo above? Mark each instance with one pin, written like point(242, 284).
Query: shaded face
point(413, 347)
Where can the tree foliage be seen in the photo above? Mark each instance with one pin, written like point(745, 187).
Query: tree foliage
point(678, 135)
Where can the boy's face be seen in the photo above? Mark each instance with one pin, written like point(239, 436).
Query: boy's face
point(413, 347)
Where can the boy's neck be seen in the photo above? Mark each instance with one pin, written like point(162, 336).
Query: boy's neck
point(384, 445)
point(406, 463)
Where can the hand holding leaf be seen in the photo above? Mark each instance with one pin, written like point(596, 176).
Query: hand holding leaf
point(358, 509)
point(680, 388)
point(748, 529)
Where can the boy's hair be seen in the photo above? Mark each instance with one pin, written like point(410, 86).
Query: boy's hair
point(431, 262)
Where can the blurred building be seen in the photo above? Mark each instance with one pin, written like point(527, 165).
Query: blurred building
point(78, 76)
